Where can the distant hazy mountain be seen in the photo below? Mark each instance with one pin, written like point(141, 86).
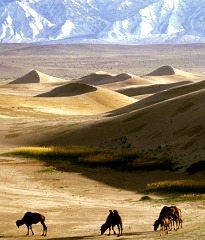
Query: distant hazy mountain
point(118, 21)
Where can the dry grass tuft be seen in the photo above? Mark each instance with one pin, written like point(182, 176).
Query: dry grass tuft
point(177, 186)
point(123, 159)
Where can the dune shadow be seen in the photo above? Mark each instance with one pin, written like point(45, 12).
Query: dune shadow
point(122, 179)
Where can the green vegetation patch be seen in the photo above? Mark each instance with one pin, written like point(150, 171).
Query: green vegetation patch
point(122, 159)
point(50, 153)
point(49, 170)
point(177, 186)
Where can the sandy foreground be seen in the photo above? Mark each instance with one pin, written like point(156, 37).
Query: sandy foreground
point(75, 206)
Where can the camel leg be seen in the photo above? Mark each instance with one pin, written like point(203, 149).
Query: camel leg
point(31, 230)
point(28, 230)
point(118, 226)
point(109, 231)
point(181, 222)
point(121, 229)
point(113, 230)
point(44, 229)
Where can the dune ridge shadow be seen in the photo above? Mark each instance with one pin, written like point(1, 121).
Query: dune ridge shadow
point(135, 181)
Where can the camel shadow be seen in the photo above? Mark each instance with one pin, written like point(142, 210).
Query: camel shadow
point(128, 234)
point(77, 237)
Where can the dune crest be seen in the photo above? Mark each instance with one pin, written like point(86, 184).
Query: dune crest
point(35, 76)
point(100, 78)
point(162, 71)
point(95, 78)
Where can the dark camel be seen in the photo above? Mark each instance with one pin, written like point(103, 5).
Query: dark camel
point(113, 219)
point(32, 218)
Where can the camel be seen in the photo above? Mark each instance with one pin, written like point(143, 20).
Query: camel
point(30, 218)
point(169, 212)
point(166, 223)
point(113, 219)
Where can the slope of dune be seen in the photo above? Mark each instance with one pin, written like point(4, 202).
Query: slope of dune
point(161, 96)
point(168, 123)
point(70, 89)
point(66, 100)
point(87, 99)
point(36, 77)
point(136, 90)
point(175, 92)
point(132, 81)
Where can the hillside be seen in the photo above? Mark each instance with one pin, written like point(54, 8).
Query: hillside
point(179, 129)
point(97, 21)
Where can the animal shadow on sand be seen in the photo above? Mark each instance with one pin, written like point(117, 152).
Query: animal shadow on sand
point(128, 234)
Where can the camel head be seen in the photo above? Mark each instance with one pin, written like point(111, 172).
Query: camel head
point(18, 223)
point(156, 224)
point(103, 228)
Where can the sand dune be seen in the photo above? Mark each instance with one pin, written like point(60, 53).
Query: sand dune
point(159, 116)
point(168, 70)
point(168, 74)
point(162, 71)
point(163, 95)
point(136, 90)
point(112, 81)
point(101, 77)
point(179, 127)
point(96, 78)
point(70, 89)
point(172, 93)
point(36, 77)
point(70, 99)
point(130, 82)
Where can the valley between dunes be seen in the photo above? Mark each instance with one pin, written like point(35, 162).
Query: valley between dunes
point(90, 95)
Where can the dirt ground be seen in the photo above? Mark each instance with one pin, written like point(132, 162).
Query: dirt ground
point(76, 205)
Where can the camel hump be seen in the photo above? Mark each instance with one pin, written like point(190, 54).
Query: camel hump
point(115, 212)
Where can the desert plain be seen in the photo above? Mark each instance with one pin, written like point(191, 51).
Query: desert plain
point(90, 95)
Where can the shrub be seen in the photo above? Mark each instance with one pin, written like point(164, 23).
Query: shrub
point(128, 159)
point(176, 186)
point(196, 167)
point(145, 198)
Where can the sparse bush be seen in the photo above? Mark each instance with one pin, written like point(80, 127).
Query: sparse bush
point(145, 198)
point(176, 186)
point(150, 164)
point(49, 170)
point(123, 158)
point(49, 153)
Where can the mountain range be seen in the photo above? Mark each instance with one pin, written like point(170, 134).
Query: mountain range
point(102, 21)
